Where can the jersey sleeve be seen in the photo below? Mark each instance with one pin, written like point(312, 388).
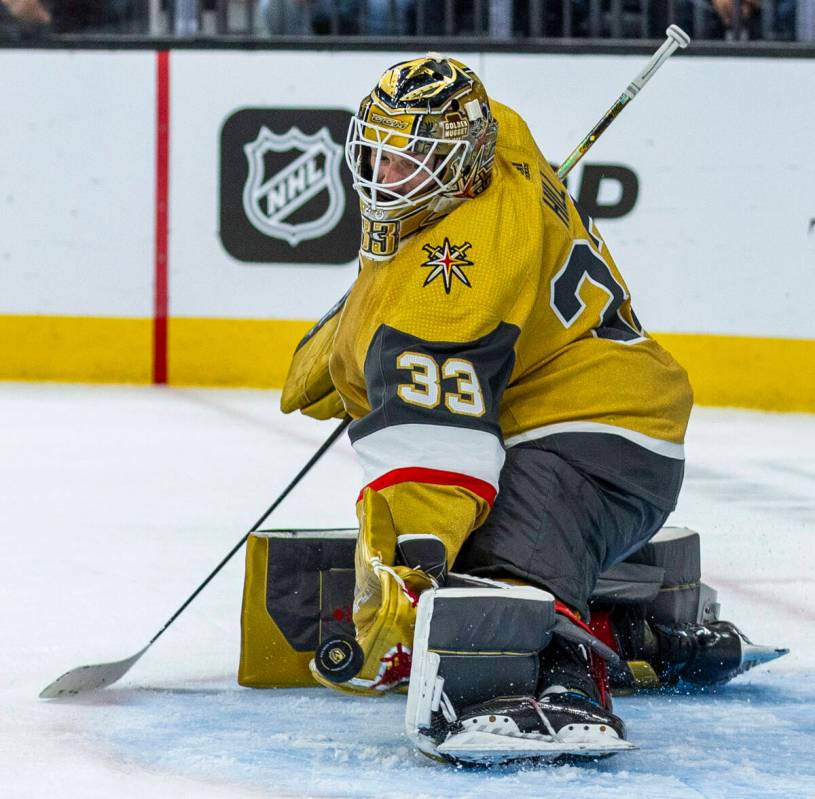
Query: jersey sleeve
point(432, 444)
point(309, 387)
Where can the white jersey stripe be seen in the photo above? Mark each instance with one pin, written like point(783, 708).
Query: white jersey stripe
point(666, 448)
point(474, 453)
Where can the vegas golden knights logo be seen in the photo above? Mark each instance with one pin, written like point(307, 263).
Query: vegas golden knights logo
point(447, 261)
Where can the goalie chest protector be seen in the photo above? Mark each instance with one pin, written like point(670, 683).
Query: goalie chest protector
point(298, 590)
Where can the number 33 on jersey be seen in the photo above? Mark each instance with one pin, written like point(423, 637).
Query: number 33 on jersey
point(442, 371)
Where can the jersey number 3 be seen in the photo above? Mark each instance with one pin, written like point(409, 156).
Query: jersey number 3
point(583, 265)
point(426, 389)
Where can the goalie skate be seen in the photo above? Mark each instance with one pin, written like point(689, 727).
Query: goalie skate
point(480, 694)
point(508, 729)
point(708, 654)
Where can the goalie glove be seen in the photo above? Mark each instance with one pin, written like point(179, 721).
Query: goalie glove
point(309, 387)
point(385, 598)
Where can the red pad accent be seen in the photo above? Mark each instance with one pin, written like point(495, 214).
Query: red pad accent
point(600, 625)
point(598, 665)
point(418, 474)
point(397, 667)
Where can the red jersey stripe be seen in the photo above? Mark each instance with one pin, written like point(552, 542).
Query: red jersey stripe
point(419, 474)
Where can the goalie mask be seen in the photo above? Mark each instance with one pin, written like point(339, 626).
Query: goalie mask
point(421, 143)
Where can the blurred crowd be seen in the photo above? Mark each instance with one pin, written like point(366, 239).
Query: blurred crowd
point(497, 19)
point(33, 17)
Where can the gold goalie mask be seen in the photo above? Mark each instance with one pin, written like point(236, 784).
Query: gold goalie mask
point(422, 142)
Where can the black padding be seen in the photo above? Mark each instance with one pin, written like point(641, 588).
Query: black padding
point(425, 552)
point(671, 557)
point(489, 643)
point(469, 679)
point(302, 569)
point(337, 597)
point(677, 551)
point(572, 632)
point(491, 622)
point(675, 605)
point(629, 583)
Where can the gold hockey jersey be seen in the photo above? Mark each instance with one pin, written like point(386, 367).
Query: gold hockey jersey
point(505, 321)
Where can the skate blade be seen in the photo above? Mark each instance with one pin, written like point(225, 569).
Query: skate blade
point(488, 748)
point(755, 655)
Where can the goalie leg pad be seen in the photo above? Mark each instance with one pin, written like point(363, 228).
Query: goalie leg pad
point(470, 645)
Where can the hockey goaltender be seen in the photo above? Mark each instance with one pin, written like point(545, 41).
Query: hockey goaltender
point(521, 437)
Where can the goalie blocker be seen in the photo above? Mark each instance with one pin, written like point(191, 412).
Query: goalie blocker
point(652, 609)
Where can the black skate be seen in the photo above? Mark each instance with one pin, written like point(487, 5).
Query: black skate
point(553, 728)
point(696, 654)
point(571, 718)
point(707, 654)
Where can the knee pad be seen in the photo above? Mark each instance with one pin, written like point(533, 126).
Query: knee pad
point(474, 643)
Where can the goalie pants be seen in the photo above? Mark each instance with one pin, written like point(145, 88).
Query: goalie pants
point(569, 507)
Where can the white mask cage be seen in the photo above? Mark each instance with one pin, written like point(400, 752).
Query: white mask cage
point(425, 174)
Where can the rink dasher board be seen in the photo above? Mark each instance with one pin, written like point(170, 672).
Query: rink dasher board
point(713, 248)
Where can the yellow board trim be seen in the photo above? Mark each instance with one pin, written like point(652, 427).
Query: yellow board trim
point(232, 352)
point(772, 374)
point(76, 349)
point(775, 374)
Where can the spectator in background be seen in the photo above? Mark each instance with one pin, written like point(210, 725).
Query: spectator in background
point(22, 18)
point(286, 17)
point(78, 16)
point(97, 16)
point(28, 11)
point(378, 20)
point(307, 17)
point(716, 19)
point(748, 10)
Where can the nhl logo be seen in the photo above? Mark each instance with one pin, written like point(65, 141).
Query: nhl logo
point(270, 201)
point(284, 194)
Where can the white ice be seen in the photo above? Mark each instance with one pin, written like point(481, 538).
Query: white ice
point(115, 502)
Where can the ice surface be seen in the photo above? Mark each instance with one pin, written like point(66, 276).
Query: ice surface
point(116, 502)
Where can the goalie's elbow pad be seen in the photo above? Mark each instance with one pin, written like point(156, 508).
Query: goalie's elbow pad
point(308, 387)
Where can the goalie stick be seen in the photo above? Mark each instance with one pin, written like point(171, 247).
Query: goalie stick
point(676, 38)
point(100, 675)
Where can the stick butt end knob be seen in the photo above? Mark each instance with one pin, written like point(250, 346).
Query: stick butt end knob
point(678, 35)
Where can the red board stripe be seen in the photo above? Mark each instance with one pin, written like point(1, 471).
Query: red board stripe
point(162, 216)
point(419, 474)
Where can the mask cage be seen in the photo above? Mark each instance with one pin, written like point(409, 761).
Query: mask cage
point(439, 161)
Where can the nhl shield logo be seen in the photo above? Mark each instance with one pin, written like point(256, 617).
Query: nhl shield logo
point(277, 204)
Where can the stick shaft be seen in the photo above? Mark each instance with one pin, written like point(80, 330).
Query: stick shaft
point(675, 38)
point(98, 675)
point(286, 491)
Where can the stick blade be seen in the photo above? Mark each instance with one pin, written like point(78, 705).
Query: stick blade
point(89, 678)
